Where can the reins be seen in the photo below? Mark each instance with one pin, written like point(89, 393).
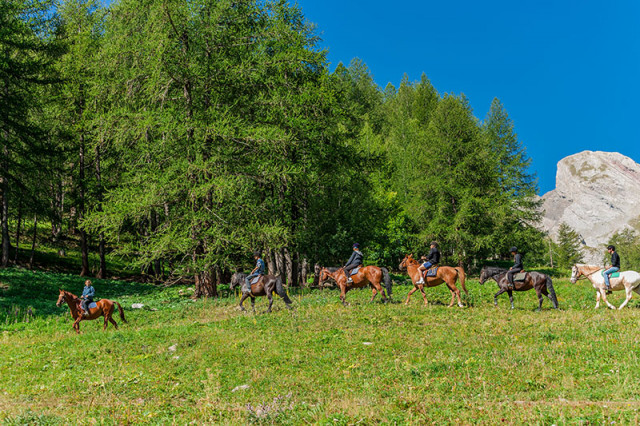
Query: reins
point(585, 276)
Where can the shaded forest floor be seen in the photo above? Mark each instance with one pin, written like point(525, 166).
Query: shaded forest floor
point(180, 360)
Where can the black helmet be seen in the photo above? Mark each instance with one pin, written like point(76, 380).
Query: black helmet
point(257, 253)
point(356, 245)
point(513, 249)
point(610, 247)
point(433, 243)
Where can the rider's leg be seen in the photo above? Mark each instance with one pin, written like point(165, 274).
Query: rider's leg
point(247, 283)
point(607, 273)
point(423, 267)
point(347, 271)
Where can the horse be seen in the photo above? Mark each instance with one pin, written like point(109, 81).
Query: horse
point(104, 308)
point(629, 281)
point(367, 275)
point(318, 271)
point(445, 274)
point(265, 286)
point(542, 284)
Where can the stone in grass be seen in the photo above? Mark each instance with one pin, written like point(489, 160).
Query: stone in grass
point(173, 348)
point(241, 387)
point(137, 306)
point(367, 343)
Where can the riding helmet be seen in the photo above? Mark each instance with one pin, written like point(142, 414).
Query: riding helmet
point(257, 253)
point(513, 249)
point(356, 245)
point(610, 247)
point(433, 243)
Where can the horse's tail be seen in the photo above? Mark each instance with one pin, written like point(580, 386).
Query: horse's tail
point(121, 312)
point(552, 292)
point(281, 291)
point(462, 277)
point(387, 280)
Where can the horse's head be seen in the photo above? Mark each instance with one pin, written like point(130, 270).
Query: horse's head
point(62, 298)
point(236, 280)
point(408, 260)
point(575, 273)
point(324, 275)
point(484, 275)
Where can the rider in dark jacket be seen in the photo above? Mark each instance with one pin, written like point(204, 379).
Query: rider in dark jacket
point(430, 261)
point(614, 267)
point(517, 266)
point(354, 261)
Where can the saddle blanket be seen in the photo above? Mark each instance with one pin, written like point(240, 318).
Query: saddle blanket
point(520, 276)
point(614, 275)
point(432, 272)
point(355, 271)
point(91, 305)
point(255, 280)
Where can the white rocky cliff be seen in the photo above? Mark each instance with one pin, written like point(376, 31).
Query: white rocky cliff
point(597, 193)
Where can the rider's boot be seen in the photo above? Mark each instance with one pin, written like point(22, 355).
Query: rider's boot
point(349, 280)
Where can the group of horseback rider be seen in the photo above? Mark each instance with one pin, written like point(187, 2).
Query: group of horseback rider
point(430, 261)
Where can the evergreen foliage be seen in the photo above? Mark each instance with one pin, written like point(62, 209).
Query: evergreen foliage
point(568, 247)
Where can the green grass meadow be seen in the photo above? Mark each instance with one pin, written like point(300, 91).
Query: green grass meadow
point(178, 360)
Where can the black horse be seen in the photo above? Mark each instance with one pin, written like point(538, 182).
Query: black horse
point(265, 286)
point(540, 282)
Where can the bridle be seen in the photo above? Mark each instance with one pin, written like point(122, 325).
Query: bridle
point(584, 276)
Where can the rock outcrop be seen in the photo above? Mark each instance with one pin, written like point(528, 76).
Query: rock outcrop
point(597, 194)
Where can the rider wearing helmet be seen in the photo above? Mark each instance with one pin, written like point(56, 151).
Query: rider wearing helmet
point(258, 270)
point(614, 267)
point(517, 266)
point(432, 260)
point(354, 261)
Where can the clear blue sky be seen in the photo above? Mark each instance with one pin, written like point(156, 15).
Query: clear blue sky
point(568, 72)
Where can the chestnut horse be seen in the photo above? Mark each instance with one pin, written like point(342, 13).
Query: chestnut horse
point(104, 308)
point(367, 275)
point(445, 274)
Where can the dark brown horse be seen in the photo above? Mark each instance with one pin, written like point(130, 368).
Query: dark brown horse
point(265, 286)
point(445, 274)
point(540, 282)
point(104, 308)
point(366, 276)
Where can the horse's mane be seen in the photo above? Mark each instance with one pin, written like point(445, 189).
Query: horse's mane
point(495, 269)
point(69, 293)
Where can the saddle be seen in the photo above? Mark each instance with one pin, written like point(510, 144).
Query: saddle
point(614, 275)
point(256, 279)
point(520, 276)
point(431, 272)
point(91, 305)
point(355, 271)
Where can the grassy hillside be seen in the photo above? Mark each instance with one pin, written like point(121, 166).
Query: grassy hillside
point(180, 360)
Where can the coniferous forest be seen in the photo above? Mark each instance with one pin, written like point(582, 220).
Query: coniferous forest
point(179, 136)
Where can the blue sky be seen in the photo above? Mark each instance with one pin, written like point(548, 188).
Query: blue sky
point(567, 71)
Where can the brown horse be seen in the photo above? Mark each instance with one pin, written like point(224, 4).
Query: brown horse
point(541, 283)
point(104, 308)
point(445, 274)
point(265, 286)
point(367, 275)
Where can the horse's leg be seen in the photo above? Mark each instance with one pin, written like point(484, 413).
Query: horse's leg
point(604, 297)
point(629, 292)
point(343, 295)
point(112, 321)
point(510, 292)
point(106, 322)
point(597, 299)
point(270, 296)
point(242, 299)
point(495, 296)
point(253, 304)
point(413, 290)
point(424, 295)
point(76, 324)
point(540, 299)
point(374, 293)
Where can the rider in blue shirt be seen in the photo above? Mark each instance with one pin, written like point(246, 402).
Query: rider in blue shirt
point(614, 267)
point(258, 270)
point(87, 296)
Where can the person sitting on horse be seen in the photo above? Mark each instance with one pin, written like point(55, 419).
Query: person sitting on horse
point(517, 266)
point(257, 271)
point(614, 267)
point(354, 261)
point(432, 260)
point(87, 297)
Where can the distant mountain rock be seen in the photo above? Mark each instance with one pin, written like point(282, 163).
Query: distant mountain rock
point(597, 194)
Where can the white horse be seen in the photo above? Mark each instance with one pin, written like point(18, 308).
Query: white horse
point(629, 281)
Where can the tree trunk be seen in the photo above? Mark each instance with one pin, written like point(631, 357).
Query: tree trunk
point(279, 262)
point(271, 263)
point(57, 209)
point(206, 285)
point(15, 258)
point(102, 270)
point(304, 271)
point(4, 208)
point(33, 242)
point(288, 265)
point(81, 211)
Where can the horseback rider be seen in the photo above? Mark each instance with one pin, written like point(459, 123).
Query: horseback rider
point(432, 260)
point(517, 266)
point(87, 297)
point(614, 267)
point(354, 261)
point(257, 271)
